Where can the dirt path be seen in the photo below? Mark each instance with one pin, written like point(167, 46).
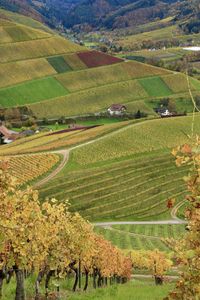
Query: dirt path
point(65, 154)
point(175, 210)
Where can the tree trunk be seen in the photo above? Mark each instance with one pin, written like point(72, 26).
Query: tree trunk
point(94, 279)
point(158, 280)
point(9, 275)
point(2, 276)
point(86, 280)
point(73, 268)
point(37, 284)
point(99, 281)
point(20, 290)
point(48, 277)
point(76, 280)
point(79, 273)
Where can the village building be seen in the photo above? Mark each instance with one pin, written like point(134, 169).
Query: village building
point(7, 136)
point(163, 112)
point(117, 109)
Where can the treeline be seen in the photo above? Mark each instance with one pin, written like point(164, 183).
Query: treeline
point(49, 240)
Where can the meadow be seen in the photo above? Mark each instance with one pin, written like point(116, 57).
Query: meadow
point(105, 75)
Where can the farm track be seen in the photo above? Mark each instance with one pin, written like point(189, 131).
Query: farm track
point(65, 154)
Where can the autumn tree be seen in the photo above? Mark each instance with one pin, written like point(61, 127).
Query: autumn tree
point(188, 251)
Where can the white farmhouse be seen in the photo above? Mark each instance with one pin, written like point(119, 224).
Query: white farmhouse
point(116, 109)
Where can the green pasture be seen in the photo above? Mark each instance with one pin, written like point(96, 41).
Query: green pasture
point(24, 33)
point(59, 64)
point(33, 91)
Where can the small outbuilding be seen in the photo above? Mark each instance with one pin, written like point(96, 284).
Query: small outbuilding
point(117, 109)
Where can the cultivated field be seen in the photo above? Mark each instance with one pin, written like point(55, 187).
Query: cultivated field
point(143, 137)
point(27, 168)
point(45, 141)
point(137, 188)
point(147, 237)
point(32, 91)
point(26, 70)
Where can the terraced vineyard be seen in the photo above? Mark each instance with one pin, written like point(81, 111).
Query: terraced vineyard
point(27, 168)
point(58, 140)
point(131, 189)
point(146, 237)
point(142, 137)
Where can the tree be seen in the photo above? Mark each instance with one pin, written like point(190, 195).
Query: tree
point(188, 251)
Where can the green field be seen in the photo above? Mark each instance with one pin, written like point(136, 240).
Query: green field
point(30, 92)
point(23, 33)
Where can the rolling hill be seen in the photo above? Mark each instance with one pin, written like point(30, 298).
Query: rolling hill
point(119, 171)
point(38, 66)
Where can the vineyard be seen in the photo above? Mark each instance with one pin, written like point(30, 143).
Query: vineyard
point(147, 237)
point(34, 239)
point(45, 142)
point(142, 137)
point(71, 80)
point(136, 188)
point(28, 168)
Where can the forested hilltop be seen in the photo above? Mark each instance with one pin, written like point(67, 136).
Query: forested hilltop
point(108, 14)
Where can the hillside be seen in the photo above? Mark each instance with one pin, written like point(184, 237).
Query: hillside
point(38, 66)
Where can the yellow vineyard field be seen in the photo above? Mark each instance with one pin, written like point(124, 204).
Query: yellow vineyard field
point(27, 168)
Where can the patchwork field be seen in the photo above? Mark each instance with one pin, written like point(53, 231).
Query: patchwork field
point(55, 77)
